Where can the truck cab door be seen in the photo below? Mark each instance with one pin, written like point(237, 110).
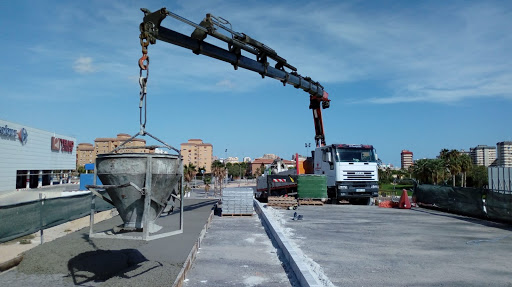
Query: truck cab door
point(330, 167)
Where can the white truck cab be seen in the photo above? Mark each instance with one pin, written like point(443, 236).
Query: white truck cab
point(351, 170)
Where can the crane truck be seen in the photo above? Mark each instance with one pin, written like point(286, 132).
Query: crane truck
point(354, 177)
point(351, 171)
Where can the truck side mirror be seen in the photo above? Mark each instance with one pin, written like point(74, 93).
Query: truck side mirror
point(329, 157)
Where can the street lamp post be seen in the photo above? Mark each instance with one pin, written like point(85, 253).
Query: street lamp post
point(240, 179)
point(225, 163)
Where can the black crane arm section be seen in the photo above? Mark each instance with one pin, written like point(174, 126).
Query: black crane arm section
point(151, 30)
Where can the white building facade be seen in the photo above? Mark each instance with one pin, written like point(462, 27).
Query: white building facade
point(504, 153)
point(483, 155)
point(32, 158)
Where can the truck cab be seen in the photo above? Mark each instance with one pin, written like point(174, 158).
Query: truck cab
point(351, 170)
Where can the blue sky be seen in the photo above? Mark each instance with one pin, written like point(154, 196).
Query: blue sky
point(413, 75)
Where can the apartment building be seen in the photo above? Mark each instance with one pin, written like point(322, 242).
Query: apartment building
point(483, 155)
point(84, 154)
point(406, 159)
point(106, 145)
point(231, 159)
point(504, 154)
point(198, 153)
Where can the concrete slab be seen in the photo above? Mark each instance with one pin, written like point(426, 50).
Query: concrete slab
point(237, 251)
point(371, 246)
point(77, 260)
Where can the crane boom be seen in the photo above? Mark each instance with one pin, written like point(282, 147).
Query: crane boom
point(151, 30)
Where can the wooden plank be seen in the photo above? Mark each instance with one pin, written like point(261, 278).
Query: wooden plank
point(310, 202)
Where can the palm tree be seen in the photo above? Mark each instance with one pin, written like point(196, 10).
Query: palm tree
point(207, 181)
point(451, 159)
point(410, 170)
point(466, 164)
point(189, 171)
point(421, 171)
point(438, 170)
point(219, 172)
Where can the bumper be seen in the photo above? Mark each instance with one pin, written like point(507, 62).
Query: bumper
point(357, 190)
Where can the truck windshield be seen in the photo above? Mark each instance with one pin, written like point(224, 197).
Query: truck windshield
point(354, 155)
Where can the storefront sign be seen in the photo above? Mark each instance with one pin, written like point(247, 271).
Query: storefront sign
point(9, 133)
point(62, 145)
point(23, 135)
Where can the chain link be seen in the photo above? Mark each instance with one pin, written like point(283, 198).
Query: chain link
point(143, 80)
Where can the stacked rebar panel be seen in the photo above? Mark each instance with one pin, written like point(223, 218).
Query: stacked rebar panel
point(237, 201)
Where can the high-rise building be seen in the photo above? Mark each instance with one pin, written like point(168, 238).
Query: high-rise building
point(406, 159)
point(504, 152)
point(483, 155)
point(198, 153)
point(84, 154)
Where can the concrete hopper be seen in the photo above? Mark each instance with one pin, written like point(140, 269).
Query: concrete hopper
point(140, 186)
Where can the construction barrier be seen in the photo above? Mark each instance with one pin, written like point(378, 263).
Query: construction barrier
point(29, 217)
point(474, 202)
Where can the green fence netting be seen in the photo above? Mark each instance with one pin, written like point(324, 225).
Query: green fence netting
point(25, 218)
point(499, 206)
point(474, 202)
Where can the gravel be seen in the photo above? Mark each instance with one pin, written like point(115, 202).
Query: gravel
point(77, 260)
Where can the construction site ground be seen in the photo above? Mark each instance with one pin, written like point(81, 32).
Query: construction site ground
point(342, 245)
point(370, 246)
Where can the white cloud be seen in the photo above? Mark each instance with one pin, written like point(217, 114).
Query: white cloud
point(421, 53)
point(83, 65)
point(225, 84)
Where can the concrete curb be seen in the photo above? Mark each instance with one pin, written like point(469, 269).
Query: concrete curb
point(192, 255)
point(11, 263)
point(299, 268)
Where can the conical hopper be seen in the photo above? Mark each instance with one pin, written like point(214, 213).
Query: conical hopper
point(121, 169)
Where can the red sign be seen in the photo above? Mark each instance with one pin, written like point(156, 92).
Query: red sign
point(62, 145)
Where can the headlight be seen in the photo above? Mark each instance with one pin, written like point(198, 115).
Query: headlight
point(375, 186)
point(343, 187)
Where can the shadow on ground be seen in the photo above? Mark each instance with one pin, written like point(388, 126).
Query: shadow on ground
point(100, 265)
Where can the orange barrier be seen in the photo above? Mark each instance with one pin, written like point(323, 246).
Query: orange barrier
point(388, 204)
point(404, 201)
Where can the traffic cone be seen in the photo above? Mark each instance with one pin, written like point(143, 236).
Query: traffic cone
point(404, 201)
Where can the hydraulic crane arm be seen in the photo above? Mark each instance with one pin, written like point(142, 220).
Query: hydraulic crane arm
point(151, 30)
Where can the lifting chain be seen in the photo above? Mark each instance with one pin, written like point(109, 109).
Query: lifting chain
point(143, 80)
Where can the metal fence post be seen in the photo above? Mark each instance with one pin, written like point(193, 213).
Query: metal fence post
point(41, 230)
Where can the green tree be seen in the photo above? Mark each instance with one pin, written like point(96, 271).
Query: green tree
point(189, 171)
point(420, 171)
point(207, 180)
point(429, 171)
point(478, 177)
point(466, 164)
point(437, 167)
point(452, 162)
point(81, 169)
point(219, 172)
